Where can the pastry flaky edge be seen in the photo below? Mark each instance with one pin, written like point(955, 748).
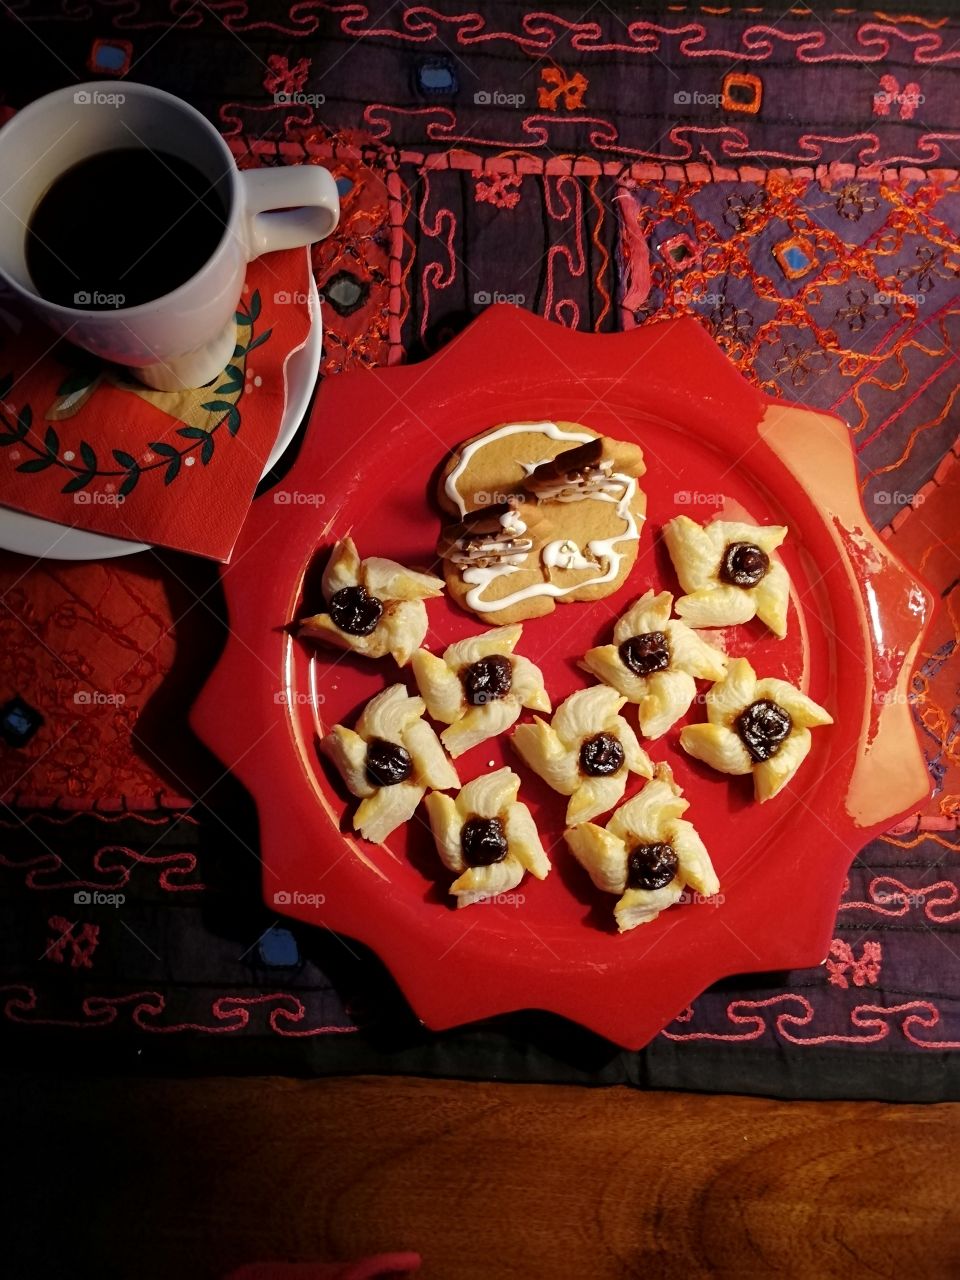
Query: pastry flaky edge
point(402, 625)
point(697, 550)
point(653, 816)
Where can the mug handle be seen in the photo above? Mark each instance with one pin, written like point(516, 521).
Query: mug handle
point(289, 207)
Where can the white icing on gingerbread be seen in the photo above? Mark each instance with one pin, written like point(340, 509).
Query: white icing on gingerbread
point(562, 553)
point(549, 429)
point(601, 549)
point(565, 554)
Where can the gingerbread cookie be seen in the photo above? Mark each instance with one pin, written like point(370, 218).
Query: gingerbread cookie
point(547, 512)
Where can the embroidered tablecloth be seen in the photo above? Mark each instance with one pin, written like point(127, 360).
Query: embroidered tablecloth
point(790, 178)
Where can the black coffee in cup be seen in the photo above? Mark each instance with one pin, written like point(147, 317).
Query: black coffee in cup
point(121, 228)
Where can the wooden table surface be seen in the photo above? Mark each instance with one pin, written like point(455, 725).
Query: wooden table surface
point(188, 1178)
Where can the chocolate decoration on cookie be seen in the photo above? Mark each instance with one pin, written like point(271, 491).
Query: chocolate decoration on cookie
point(387, 763)
point(354, 611)
point(645, 654)
point(743, 565)
point(483, 842)
point(601, 755)
point(571, 462)
point(651, 866)
point(763, 727)
point(575, 473)
point(487, 536)
point(487, 680)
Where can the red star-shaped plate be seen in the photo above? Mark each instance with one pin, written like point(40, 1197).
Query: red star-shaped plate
point(713, 445)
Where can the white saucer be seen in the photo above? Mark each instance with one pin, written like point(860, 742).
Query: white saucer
point(43, 539)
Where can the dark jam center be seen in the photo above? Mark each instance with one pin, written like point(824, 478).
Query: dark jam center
point(483, 842)
point(763, 727)
point(601, 755)
point(651, 866)
point(645, 654)
point(743, 564)
point(387, 763)
point(354, 611)
point(487, 680)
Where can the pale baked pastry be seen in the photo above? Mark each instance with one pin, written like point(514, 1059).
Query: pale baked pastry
point(755, 726)
point(727, 570)
point(586, 752)
point(654, 661)
point(647, 853)
point(389, 761)
point(548, 512)
point(486, 836)
point(479, 687)
point(374, 606)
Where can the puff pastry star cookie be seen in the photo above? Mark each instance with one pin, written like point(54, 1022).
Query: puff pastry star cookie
point(479, 687)
point(755, 726)
point(586, 752)
point(389, 761)
point(486, 836)
point(647, 853)
point(654, 661)
point(374, 606)
point(727, 570)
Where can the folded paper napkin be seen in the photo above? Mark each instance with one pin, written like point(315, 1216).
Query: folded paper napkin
point(83, 443)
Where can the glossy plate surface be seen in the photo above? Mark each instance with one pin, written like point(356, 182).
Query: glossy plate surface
point(713, 445)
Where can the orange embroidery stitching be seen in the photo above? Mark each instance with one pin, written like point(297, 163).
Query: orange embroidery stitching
point(890, 95)
point(734, 99)
point(503, 192)
point(572, 89)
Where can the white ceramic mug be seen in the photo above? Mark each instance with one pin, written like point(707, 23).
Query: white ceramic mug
point(186, 337)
